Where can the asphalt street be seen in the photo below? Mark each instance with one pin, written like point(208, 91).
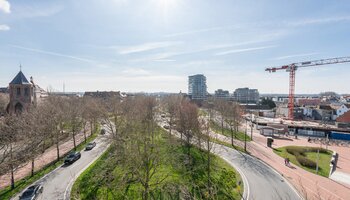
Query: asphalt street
point(57, 184)
point(260, 181)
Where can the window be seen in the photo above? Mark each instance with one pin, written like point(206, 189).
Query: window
point(26, 91)
point(18, 91)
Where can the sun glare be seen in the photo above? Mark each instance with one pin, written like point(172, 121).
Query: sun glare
point(166, 6)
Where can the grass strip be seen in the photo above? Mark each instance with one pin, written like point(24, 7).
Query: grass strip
point(8, 193)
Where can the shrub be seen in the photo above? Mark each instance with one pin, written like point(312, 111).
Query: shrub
point(306, 162)
point(314, 149)
point(295, 150)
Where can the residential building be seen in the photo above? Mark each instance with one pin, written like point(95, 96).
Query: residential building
point(344, 120)
point(246, 95)
point(308, 102)
point(340, 109)
point(222, 94)
point(103, 94)
point(197, 87)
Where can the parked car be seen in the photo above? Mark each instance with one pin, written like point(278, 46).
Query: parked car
point(90, 146)
point(166, 126)
point(103, 131)
point(72, 157)
point(32, 192)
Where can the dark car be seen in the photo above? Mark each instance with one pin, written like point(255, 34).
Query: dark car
point(32, 192)
point(72, 157)
point(90, 146)
point(103, 131)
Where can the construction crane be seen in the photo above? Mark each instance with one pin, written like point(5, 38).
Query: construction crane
point(292, 68)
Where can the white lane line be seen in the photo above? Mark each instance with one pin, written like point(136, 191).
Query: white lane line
point(69, 186)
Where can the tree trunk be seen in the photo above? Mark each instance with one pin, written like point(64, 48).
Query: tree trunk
point(33, 159)
point(208, 148)
point(222, 125)
point(75, 146)
point(84, 133)
point(91, 130)
point(12, 169)
point(231, 135)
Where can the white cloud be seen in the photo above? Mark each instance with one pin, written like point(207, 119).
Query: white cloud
point(5, 6)
point(319, 21)
point(190, 32)
point(294, 56)
point(135, 72)
point(145, 47)
point(243, 50)
point(53, 53)
point(4, 27)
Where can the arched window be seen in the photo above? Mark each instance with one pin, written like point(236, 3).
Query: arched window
point(18, 108)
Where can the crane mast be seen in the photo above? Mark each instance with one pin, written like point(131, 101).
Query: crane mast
point(292, 68)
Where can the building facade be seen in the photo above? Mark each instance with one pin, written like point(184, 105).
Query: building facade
point(246, 95)
point(222, 94)
point(23, 94)
point(197, 87)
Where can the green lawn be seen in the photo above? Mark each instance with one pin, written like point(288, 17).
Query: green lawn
point(20, 185)
point(93, 184)
point(227, 132)
point(324, 160)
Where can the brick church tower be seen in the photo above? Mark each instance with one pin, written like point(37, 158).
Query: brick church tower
point(22, 94)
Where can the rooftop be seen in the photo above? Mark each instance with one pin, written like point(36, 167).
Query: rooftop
point(20, 79)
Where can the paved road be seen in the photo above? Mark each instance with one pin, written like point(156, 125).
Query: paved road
point(261, 182)
point(58, 184)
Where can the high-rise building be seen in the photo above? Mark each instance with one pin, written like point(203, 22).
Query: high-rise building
point(222, 94)
point(197, 87)
point(246, 95)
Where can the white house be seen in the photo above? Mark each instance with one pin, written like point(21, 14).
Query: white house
point(340, 110)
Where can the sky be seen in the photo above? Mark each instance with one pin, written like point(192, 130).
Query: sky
point(154, 45)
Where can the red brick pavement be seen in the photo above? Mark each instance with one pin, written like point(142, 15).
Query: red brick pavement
point(309, 185)
point(49, 156)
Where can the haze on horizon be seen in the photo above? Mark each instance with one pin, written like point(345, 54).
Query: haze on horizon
point(154, 45)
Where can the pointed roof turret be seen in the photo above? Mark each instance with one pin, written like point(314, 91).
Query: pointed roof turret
point(20, 79)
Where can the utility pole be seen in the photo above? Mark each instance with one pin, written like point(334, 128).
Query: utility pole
point(318, 155)
point(251, 126)
point(245, 136)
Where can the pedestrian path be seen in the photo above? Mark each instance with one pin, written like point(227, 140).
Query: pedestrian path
point(309, 185)
point(47, 157)
point(341, 177)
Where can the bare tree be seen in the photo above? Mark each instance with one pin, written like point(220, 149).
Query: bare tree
point(233, 119)
point(171, 104)
point(4, 100)
point(221, 106)
point(74, 117)
point(188, 124)
point(55, 110)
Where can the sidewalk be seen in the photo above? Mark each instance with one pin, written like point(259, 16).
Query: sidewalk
point(49, 156)
point(309, 185)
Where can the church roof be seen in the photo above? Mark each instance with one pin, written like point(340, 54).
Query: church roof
point(20, 79)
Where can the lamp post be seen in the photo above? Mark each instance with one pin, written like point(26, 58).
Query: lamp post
point(251, 126)
point(245, 135)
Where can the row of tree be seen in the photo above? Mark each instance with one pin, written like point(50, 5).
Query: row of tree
point(25, 136)
point(133, 125)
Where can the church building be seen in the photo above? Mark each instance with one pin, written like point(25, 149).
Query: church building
point(23, 94)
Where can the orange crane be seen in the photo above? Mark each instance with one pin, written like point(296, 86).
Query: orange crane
point(292, 68)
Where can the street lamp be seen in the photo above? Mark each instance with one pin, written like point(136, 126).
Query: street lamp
point(251, 126)
point(245, 136)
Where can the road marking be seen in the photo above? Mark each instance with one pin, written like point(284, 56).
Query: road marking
point(69, 186)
